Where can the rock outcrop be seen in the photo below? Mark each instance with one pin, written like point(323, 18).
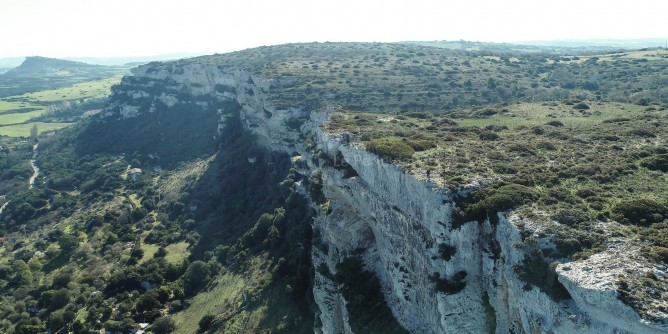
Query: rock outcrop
point(396, 223)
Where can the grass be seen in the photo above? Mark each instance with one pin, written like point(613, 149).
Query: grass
point(264, 312)
point(11, 119)
point(85, 90)
point(149, 251)
point(23, 130)
point(225, 297)
point(16, 112)
point(177, 252)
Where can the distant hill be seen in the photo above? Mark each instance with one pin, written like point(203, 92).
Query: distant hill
point(7, 64)
point(39, 73)
point(134, 61)
point(47, 66)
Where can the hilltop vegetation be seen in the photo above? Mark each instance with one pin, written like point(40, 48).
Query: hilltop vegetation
point(378, 77)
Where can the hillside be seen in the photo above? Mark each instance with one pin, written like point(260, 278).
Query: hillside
point(40, 73)
point(351, 187)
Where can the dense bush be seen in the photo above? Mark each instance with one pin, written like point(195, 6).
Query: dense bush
point(390, 148)
point(450, 286)
point(488, 135)
point(655, 162)
point(508, 197)
point(164, 325)
point(485, 203)
point(570, 217)
point(446, 251)
point(640, 211)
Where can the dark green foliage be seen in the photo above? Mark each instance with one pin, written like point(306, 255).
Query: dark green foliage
point(164, 325)
point(165, 133)
point(206, 322)
point(643, 132)
point(446, 251)
point(655, 162)
point(640, 211)
point(507, 197)
point(366, 305)
point(484, 203)
point(420, 144)
point(657, 253)
point(570, 217)
point(315, 187)
point(488, 135)
point(196, 277)
point(391, 148)
point(452, 285)
point(581, 106)
point(147, 302)
point(535, 271)
point(68, 243)
point(504, 168)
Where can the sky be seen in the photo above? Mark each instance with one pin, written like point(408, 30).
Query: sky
point(115, 28)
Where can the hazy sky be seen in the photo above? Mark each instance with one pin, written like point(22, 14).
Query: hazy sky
point(79, 28)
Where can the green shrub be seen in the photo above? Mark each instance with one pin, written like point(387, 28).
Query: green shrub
point(446, 251)
point(640, 211)
point(488, 135)
point(570, 217)
point(503, 168)
point(509, 197)
point(655, 162)
point(555, 124)
point(164, 325)
point(206, 322)
point(420, 144)
point(390, 148)
point(485, 203)
point(656, 253)
point(450, 286)
point(581, 106)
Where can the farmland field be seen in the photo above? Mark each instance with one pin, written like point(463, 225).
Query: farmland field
point(18, 113)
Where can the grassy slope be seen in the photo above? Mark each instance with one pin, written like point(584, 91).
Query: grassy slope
point(16, 112)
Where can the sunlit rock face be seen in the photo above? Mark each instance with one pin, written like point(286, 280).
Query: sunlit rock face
point(395, 222)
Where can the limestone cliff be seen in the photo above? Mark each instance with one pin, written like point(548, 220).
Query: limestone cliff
point(395, 222)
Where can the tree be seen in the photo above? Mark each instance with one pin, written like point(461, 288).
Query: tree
point(68, 243)
point(164, 325)
point(196, 277)
point(147, 302)
point(33, 133)
point(206, 322)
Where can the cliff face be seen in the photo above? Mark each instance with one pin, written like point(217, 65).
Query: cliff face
point(397, 224)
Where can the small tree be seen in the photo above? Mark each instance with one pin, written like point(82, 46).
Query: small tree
point(164, 325)
point(33, 133)
point(206, 322)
